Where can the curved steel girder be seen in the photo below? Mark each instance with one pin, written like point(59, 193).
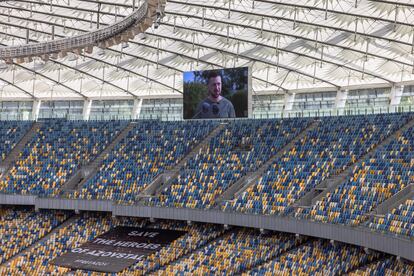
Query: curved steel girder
point(239, 25)
point(139, 57)
point(318, 59)
point(19, 88)
point(80, 71)
point(297, 71)
point(116, 66)
point(297, 21)
point(283, 50)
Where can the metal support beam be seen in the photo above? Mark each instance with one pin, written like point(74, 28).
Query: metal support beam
point(288, 103)
point(136, 111)
point(87, 105)
point(36, 109)
point(340, 100)
point(395, 96)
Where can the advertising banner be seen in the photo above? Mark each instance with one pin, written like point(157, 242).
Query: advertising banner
point(117, 249)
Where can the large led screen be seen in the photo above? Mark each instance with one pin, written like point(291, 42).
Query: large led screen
point(214, 94)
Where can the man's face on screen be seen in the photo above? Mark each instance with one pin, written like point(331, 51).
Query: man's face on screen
point(214, 87)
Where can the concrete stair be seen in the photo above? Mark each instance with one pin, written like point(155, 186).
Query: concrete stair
point(388, 205)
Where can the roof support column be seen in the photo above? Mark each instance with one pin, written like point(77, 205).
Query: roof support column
point(340, 101)
point(36, 109)
point(136, 111)
point(87, 104)
point(395, 97)
point(288, 104)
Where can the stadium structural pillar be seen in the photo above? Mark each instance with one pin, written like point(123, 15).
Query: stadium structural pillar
point(288, 103)
point(36, 109)
point(340, 101)
point(136, 111)
point(395, 97)
point(87, 109)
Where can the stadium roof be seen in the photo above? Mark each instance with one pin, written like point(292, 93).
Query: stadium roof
point(293, 45)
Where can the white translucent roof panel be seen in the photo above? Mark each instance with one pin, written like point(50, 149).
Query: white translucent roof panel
point(291, 45)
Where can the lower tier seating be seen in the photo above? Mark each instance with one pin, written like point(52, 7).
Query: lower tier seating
point(81, 229)
point(87, 226)
point(316, 257)
point(235, 252)
point(388, 266)
point(204, 250)
point(22, 227)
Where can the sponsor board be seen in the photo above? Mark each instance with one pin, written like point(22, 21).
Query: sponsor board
point(117, 249)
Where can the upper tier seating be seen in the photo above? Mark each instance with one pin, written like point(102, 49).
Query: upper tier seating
point(373, 181)
point(326, 150)
point(10, 134)
point(56, 151)
point(231, 254)
point(316, 257)
point(149, 149)
point(399, 221)
point(241, 147)
point(21, 227)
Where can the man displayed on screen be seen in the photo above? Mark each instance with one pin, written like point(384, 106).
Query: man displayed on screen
point(215, 105)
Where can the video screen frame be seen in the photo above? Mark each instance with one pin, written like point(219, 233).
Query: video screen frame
point(234, 100)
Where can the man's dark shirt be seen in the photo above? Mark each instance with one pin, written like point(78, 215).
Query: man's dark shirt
point(209, 109)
